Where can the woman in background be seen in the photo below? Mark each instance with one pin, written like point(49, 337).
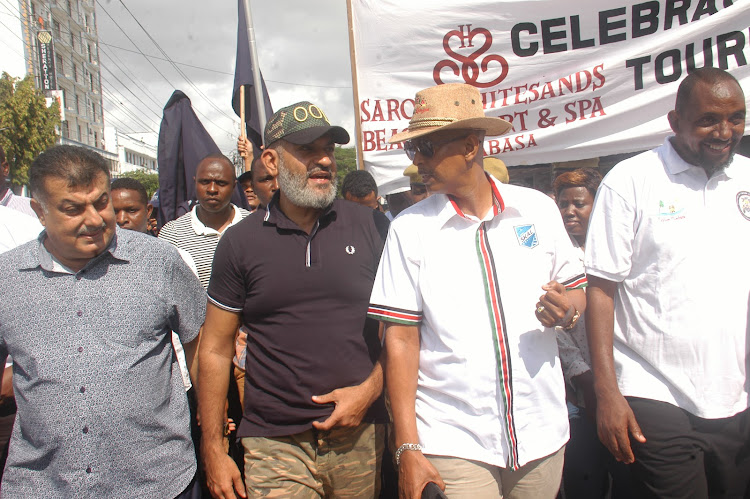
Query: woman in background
point(589, 467)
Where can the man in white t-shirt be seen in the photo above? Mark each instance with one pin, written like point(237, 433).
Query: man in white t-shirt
point(669, 283)
point(472, 369)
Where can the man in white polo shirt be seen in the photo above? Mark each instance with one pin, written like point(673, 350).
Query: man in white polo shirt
point(666, 257)
point(472, 369)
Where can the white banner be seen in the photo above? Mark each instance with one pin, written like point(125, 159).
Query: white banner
point(576, 79)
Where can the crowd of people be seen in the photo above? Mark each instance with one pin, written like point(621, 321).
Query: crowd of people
point(477, 340)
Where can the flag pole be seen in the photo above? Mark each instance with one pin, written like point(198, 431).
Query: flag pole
point(355, 89)
point(256, 67)
point(245, 165)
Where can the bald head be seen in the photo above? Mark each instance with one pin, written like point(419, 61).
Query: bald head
point(709, 76)
point(218, 159)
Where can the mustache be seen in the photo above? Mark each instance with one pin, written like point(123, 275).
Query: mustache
point(317, 170)
point(88, 231)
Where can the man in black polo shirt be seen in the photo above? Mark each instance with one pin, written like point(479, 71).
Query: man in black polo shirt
point(299, 278)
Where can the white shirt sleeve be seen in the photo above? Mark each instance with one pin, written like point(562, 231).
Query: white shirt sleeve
point(567, 268)
point(609, 242)
point(16, 228)
point(395, 294)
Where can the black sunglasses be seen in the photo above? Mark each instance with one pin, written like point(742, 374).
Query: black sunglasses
point(424, 147)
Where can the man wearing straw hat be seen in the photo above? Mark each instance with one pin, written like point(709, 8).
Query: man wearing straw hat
point(471, 282)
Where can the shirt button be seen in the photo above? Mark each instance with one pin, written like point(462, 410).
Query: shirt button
point(80, 349)
point(79, 313)
point(83, 389)
point(85, 429)
point(88, 470)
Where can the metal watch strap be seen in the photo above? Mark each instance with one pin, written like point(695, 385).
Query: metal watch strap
point(404, 447)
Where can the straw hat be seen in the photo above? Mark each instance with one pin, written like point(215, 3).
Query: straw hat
point(452, 106)
point(496, 168)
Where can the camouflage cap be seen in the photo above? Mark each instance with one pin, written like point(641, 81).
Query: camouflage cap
point(301, 123)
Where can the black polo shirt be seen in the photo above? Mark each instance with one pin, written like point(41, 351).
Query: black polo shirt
point(304, 300)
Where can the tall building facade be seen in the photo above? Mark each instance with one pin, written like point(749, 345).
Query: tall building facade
point(76, 60)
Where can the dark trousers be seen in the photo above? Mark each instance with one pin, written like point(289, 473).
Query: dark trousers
point(193, 490)
point(689, 457)
point(589, 466)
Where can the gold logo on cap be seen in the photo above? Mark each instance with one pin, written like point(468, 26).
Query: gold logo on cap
point(301, 113)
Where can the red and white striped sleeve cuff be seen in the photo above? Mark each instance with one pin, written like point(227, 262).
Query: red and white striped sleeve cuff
point(397, 315)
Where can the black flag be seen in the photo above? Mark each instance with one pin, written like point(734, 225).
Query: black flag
point(243, 75)
point(183, 143)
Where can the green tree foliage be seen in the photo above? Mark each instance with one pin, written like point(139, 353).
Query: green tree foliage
point(28, 124)
point(149, 180)
point(346, 161)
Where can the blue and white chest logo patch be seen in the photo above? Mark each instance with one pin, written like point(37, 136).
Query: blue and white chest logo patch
point(526, 235)
point(743, 204)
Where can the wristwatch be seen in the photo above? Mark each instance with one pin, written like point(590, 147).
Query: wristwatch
point(404, 447)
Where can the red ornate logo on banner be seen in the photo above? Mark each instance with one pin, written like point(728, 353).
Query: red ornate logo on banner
point(470, 70)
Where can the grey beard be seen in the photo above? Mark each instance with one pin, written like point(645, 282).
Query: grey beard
point(295, 188)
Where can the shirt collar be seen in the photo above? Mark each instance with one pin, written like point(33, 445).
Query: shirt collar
point(451, 209)
point(275, 216)
point(39, 256)
point(201, 229)
point(675, 163)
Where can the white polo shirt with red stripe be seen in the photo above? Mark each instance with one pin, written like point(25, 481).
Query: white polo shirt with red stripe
point(490, 387)
point(676, 243)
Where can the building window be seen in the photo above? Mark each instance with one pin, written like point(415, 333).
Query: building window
point(79, 133)
point(96, 139)
point(78, 105)
point(75, 72)
point(65, 131)
point(56, 29)
point(60, 64)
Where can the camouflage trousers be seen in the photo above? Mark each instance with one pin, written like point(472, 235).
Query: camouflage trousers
point(343, 462)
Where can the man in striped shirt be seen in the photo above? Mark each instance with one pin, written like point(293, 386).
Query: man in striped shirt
point(198, 232)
